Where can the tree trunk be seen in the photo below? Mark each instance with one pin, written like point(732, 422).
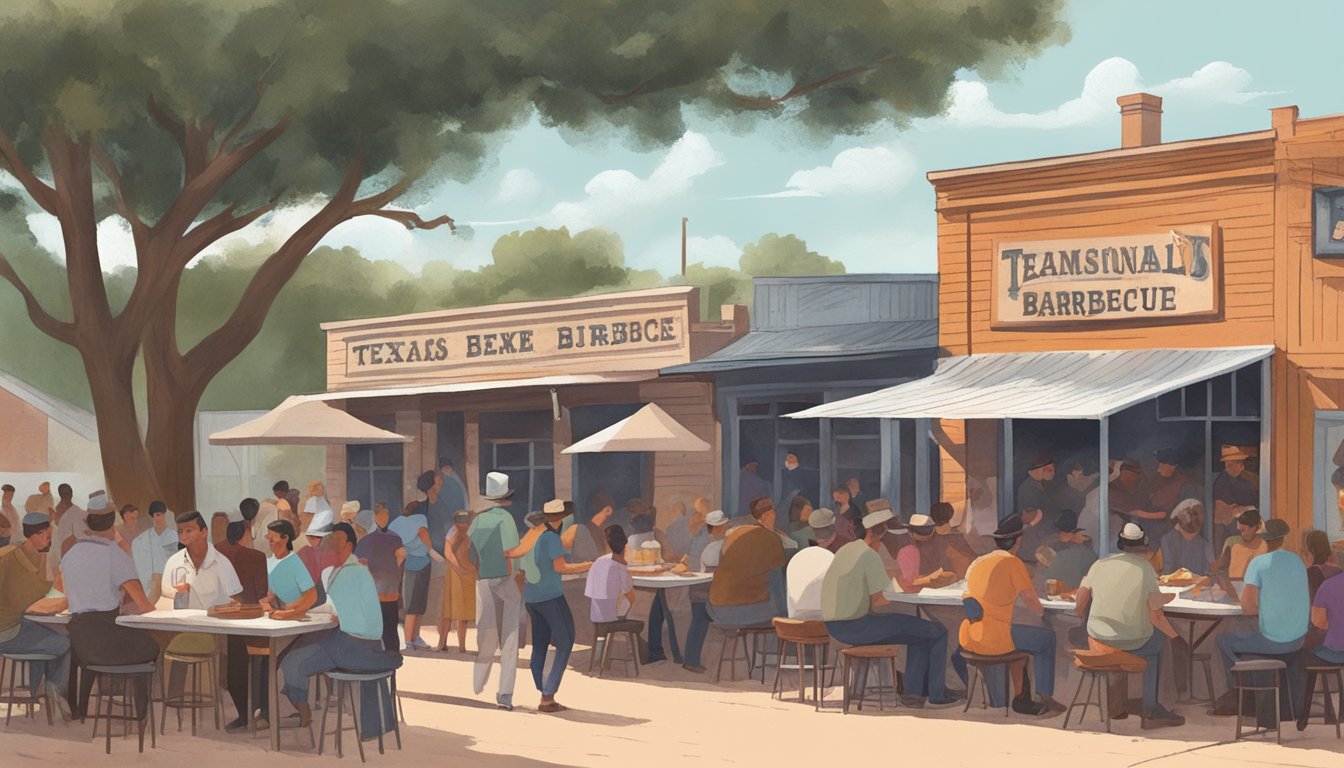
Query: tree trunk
point(126, 466)
point(171, 446)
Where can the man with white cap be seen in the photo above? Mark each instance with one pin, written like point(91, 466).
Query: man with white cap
point(716, 526)
point(1122, 604)
point(499, 604)
point(923, 561)
point(826, 532)
point(315, 557)
point(851, 599)
point(23, 589)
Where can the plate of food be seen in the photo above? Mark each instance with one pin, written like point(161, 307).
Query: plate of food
point(1182, 577)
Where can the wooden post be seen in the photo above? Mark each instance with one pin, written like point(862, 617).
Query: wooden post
point(683, 246)
point(1104, 490)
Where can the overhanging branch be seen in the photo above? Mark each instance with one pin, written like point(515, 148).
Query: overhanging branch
point(412, 220)
point(802, 89)
point(139, 231)
point(38, 190)
point(41, 318)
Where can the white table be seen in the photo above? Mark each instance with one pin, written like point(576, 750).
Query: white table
point(951, 595)
point(273, 630)
point(659, 584)
point(51, 620)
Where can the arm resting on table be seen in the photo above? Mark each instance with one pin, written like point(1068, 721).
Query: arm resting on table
point(1318, 618)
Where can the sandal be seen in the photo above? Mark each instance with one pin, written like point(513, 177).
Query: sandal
point(553, 706)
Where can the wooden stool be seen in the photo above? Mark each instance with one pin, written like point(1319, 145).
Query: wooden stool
point(257, 657)
point(1249, 666)
point(343, 686)
point(1325, 673)
point(196, 698)
point(800, 636)
point(129, 673)
point(604, 631)
point(750, 636)
point(859, 658)
point(14, 662)
point(1098, 677)
point(979, 663)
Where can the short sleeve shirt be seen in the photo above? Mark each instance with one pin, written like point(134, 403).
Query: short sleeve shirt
point(355, 600)
point(212, 584)
point(543, 583)
point(408, 528)
point(288, 577)
point(994, 580)
point(1120, 586)
point(608, 580)
point(1330, 596)
point(855, 574)
point(94, 570)
point(492, 533)
point(743, 576)
point(380, 549)
point(1284, 602)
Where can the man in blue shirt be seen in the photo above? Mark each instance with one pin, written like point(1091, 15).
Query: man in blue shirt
point(355, 646)
point(498, 603)
point(544, 596)
point(413, 528)
point(1276, 591)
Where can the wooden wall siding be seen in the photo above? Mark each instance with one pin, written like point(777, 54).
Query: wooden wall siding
point(782, 305)
point(950, 436)
point(408, 423)
point(684, 476)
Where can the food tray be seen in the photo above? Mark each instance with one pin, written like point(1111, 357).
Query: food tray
point(236, 612)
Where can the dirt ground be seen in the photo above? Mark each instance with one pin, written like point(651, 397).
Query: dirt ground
point(669, 717)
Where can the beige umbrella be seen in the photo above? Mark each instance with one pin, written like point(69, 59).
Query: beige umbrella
point(298, 421)
point(650, 429)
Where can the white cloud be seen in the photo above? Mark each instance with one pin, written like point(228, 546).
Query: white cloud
point(519, 185)
point(116, 248)
point(855, 171)
point(614, 193)
point(664, 254)
point(1215, 83)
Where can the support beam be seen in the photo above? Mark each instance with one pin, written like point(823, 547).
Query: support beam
point(1266, 432)
point(1007, 502)
point(923, 493)
point(1104, 489)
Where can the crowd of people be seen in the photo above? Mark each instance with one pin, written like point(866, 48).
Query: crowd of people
point(297, 553)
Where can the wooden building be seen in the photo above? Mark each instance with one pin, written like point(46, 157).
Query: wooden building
point(1226, 252)
point(507, 387)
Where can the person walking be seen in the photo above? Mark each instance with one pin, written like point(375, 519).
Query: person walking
point(498, 600)
point(544, 597)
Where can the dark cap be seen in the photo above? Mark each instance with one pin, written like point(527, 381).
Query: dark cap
point(1067, 522)
point(1010, 528)
point(760, 506)
point(1275, 529)
point(1249, 517)
point(1168, 456)
point(1131, 465)
point(1041, 460)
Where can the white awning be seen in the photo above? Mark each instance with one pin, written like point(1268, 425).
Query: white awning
point(649, 429)
point(305, 422)
point(1042, 385)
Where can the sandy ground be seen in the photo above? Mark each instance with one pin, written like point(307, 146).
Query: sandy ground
point(669, 717)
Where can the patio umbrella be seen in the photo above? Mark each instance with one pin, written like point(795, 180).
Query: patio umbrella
point(650, 429)
point(298, 421)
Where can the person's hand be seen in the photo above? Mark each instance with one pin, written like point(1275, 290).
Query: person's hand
point(180, 588)
point(286, 614)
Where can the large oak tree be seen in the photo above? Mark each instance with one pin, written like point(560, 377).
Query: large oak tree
point(191, 119)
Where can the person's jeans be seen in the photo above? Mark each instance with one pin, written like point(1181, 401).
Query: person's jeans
point(334, 650)
point(1152, 652)
point(1329, 655)
point(499, 615)
point(925, 642)
point(552, 624)
point(1039, 643)
point(243, 676)
point(751, 615)
point(391, 642)
point(1234, 644)
point(695, 636)
point(35, 638)
point(655, 630)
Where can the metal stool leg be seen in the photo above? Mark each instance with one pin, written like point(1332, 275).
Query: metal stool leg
point(1104, 699)
point(354, 715)
point(634, 651)
point(322, 731)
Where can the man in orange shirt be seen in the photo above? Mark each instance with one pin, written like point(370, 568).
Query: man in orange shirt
point(994, 584)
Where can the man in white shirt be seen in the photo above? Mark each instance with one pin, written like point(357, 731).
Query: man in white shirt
point(151, 550)
point(199, 577)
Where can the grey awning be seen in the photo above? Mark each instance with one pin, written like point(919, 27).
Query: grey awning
point(1042, 385)
point(808, 345)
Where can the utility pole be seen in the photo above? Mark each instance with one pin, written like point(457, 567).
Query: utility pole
point(683, 246)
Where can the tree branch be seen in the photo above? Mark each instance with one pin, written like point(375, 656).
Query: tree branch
point(213, 229)
point(612, 100)
point(412, 220)
point(42, 319)
point(170, 124)
point(139, 232)
point(802, 89)
point(243, 121)
point(41, 192)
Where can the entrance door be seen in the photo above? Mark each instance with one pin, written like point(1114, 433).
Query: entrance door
point(1329, 474)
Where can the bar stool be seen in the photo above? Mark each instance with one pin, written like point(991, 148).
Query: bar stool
point(800, 636)
point(979, 663)
point(257, 658)
point(128, 674)
point(1325, 673)
point(196, 698)
point(1098, 677)
point(1204, 660)
point(604, 632)
point(748, 635)
point(13, 663)
point(858, 659)
point(1249, 666)
point(343, 686)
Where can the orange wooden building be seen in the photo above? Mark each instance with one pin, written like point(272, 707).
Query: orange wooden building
point(1179, 297)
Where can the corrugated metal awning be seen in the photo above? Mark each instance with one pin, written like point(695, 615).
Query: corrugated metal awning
point(808, 345)
point(1042, 385)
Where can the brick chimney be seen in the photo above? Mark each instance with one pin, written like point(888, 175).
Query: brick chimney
point(1140, 120)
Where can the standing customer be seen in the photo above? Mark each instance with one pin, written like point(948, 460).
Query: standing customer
point(385, 553)
point(459, 587)
point(498, 601)
point(413, 529)
point(544, 596)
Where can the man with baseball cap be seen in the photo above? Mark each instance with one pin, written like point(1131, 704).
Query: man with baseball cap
point(1122, 604)
point(23, 589)
point(716, 525)
point(498, 603)
point(1276, 593)
point(851, 599)
point(1073, 556)
point(826, 532)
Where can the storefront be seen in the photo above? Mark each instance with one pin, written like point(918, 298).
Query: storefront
point(815, 340)
point(1100, 310)
point(507, 387)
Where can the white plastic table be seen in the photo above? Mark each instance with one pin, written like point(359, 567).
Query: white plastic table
point(273, 630)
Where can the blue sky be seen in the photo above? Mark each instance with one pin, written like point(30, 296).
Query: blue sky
point(1220, 67)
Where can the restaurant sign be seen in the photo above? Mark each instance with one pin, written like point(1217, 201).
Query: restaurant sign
point(1170, 274)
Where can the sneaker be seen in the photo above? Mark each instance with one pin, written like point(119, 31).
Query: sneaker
point(696, 668)
point(654, 658)
point(912, 701)
point(504, 702)
point(410, 647)
point(1051, 704)
point(236, 726)
point(552, 706)
point(941, 704)
point(262, 723)
point(419, 644)
point(1029, 707)
point(1161, 718)
point(59, 701)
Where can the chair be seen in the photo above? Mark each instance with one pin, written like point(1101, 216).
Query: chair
point(343, 685)
point(858, 659)
point(749, 637)
point(125, 674)
point(604, 632)
point(979, 663)
point(800, 636)
point(13, 663)
point(1325, 673)
point(195, 698)
point(1249, 666)
point(1097, 671)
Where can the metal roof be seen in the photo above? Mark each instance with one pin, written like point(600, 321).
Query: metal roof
point(1042, 385)
point(805, 345)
